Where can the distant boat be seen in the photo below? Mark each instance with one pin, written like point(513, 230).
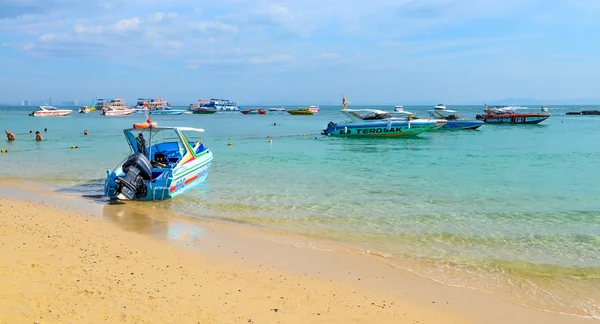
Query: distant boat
point(453, 120)
point(439, 107)
point(203, 111)
point(378, 123)
point(50, 111)
point(301, 111)
point(281, 109)
point(544, 108)
point(86, 109)
point(508, 115)
point(259, 111)
point(314, 109)
point(166, 111)
point(117, 112)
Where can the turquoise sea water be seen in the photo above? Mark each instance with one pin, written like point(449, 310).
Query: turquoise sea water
point(509, 209)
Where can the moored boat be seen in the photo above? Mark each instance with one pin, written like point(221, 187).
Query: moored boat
point(439, 107)
point(453, 120)
point(86, 109)
point(277, 109)
point(259, 111)
point(314, 109)
point(164, 162)
point(508, 115)
point(544, 108)
point(203, 111)
point(378, 123)
point(167, 111)
point(116, 112)
point(44, 111)
point(216, 104)
point(301, 111)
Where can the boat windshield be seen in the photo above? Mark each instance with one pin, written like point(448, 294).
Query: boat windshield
point(164, 147)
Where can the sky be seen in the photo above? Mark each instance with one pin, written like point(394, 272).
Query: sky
point(302, 52)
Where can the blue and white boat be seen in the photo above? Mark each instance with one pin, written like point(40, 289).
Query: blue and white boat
point(167, 111)
point(164, 162)
point(378, 123)
point(453, 120)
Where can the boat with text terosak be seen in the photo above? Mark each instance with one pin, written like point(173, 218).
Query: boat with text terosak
point(378, 123)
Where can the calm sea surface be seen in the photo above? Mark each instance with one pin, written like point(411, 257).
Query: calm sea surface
point(513, 210)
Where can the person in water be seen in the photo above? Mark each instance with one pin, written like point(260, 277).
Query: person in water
point(30, 132)
point(85, 132)
point(45, 129)
point(10, 136)
point(38, 136)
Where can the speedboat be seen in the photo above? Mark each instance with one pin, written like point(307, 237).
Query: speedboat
point(314, 109)
point(301, 111)
point(544, 108)
point(509, 115)
point(278, 109)
point(86, 109)
point(453, 120)
point(378, 123)
point(439, 107)
point(203, 111)
point(167, 111)
point(164, 162)
point(50, 111)
point(259, 111)
point(116, 112)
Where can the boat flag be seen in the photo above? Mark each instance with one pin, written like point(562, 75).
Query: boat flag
point(344, 101)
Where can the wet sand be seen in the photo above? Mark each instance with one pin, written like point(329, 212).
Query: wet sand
point(63, 263)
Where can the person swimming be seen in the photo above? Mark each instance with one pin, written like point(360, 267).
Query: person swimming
point(85, 132)
point(38, 136)
point(10, 136)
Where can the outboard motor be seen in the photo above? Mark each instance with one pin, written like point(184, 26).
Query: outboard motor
point(326, 131)
point(137, 169)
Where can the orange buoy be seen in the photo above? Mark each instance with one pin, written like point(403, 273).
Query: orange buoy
point(144, 125)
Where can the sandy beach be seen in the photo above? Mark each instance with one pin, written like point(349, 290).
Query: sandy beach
point(60, 265)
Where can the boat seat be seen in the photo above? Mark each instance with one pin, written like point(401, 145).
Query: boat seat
point(160, 160)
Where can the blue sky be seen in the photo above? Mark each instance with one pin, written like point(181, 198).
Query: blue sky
point(305, 52)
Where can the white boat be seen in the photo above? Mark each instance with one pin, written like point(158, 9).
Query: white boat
point(277, 109)
point(314, 109)
point(50, 111)
point(439, 107)
point(167, 111)
point(544, 108)
point(144, 104)
point(117, 112)
point(378, 123)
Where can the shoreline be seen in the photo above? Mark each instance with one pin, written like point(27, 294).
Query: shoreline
point(240, 251)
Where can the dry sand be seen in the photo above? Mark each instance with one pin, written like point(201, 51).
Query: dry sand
point(60, 266)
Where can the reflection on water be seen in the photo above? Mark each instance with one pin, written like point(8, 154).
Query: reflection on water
point(151, 219)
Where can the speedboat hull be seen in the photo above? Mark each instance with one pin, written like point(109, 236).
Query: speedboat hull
point(204, 111)
point(58, 113)
point(167, 112)
point(166, 186)
point(379, 129)
point(512, 118)
point(463, 124)
point(118, 112)
point(159, 170)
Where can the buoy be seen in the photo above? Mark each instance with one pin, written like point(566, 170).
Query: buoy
point(3, 151)
point(270, 141)
point(144, 125)
point(229, 143)
point(74, 146)
point(304, 135)
point(316, 137)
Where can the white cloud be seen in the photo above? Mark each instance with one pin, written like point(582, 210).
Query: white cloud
point(127, 24)
point(270, 59)
point(214, 27)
